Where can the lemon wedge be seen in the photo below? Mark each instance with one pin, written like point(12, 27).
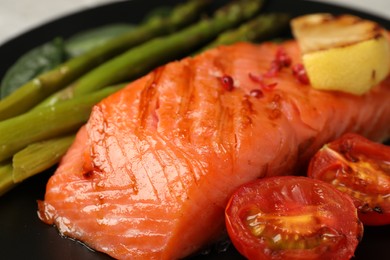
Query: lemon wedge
point(342, 53)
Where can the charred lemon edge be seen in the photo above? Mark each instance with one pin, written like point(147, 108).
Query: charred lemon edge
point(342, 53)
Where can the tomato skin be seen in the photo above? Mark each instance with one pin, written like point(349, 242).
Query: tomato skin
point(360, 168)
point(318, 221)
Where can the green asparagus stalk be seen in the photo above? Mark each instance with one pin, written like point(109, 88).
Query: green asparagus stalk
point(6, 181)
point(145, 57)
point(261, 27)
point(38, 157)
point(47, 122)
point(36, 90)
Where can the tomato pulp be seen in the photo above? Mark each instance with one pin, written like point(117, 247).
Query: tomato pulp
point(292, 218)
point(360, 168)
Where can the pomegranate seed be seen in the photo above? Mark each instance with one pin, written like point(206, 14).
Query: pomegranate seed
point(300, 74)
point(227, 82)
point(257, 93)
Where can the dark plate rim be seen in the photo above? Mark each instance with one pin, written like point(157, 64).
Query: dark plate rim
point(13, 205)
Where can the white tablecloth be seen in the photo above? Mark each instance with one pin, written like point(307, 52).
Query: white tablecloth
point(17, 16)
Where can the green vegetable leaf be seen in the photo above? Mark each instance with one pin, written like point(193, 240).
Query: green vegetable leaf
point(36, 61)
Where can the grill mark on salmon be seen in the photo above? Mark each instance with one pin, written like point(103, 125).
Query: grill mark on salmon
point(149, 102)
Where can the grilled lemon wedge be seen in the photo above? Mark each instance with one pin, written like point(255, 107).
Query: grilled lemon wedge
point(342, 53)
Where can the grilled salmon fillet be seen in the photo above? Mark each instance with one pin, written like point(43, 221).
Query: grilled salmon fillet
point(149, 175)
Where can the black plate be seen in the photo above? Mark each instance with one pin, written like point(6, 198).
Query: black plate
point(24, 236)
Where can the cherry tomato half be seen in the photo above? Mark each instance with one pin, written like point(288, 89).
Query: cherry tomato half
point(292, 218)
point(360, 168)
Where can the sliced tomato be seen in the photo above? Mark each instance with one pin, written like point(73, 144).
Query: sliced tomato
point(360, 168)
point(292, 218)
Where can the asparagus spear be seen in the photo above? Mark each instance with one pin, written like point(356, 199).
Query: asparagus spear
point(38, 157)
point(6, 181)
point(259, 28)
point(47, 83)
point(47, 122)
point(142, 58)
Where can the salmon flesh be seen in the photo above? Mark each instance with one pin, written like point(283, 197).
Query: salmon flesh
point(149, 175)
